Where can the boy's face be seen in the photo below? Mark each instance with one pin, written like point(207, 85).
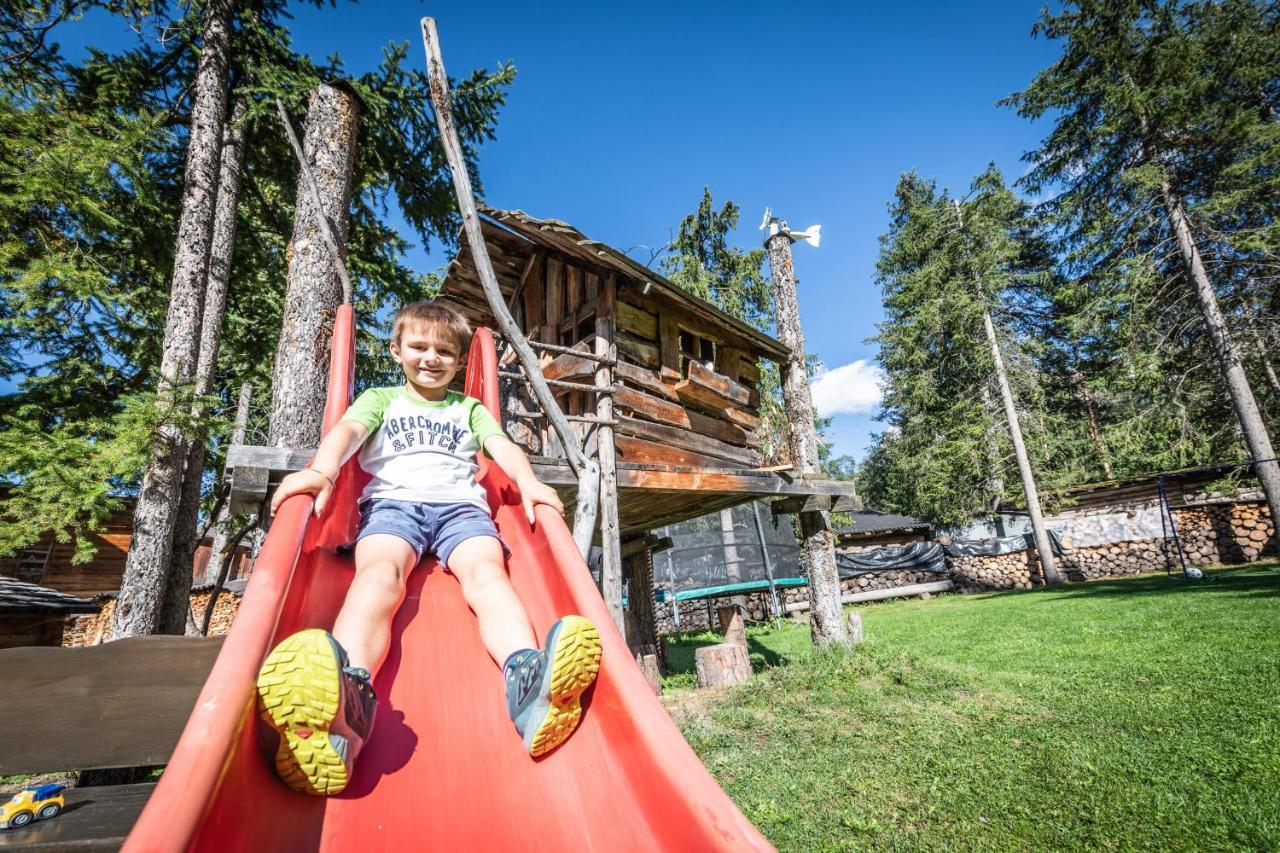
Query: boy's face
point(429, 355)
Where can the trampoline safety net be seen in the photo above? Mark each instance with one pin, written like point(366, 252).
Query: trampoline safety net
point(730, 551)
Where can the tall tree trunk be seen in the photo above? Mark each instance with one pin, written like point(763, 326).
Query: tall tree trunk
point(994, 479)
point(314, 291)
point(144, 586)
point(178, 592)
point(1255, 431)
point(1267, 369)
point(826, 626)
point(1043, 548)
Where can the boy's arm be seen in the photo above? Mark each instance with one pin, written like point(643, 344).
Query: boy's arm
point(512, 460)
point(318, 477)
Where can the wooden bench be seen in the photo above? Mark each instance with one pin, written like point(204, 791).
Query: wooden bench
point(118, 705)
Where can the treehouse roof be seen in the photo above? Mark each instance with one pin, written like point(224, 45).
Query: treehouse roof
point(513, 236)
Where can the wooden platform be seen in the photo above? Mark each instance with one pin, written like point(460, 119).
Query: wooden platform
point(117, 705)
point(650, 496)
point(121, 704)
point(95, 819)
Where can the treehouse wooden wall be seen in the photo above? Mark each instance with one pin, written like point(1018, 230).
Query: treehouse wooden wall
point(688, 395)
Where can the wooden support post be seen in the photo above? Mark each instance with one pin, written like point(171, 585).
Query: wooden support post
point(610, 527)
point(818, 547)
point(440, 100)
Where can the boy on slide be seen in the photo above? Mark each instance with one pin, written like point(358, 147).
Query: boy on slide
point(419, 442)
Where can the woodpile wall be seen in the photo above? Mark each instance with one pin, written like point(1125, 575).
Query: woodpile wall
point(95, 628)
point(1211, 534)
point(1225, 532)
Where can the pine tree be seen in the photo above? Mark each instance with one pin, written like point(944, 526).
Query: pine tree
point(1152, 132)
point(141, 607)
point(91, 159)
point(946, 447)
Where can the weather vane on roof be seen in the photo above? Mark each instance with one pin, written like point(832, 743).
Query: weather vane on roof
point(772, 226)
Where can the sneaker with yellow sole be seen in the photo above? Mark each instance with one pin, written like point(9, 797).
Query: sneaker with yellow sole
point(545, 687)
point(322, 711)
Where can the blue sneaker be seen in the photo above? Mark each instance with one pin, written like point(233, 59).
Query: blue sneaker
point(321, 708)
point(544, 688)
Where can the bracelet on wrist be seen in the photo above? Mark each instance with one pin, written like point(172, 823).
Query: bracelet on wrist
point(322, 474)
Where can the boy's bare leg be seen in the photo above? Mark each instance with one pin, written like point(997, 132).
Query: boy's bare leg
point(504, 625)
point(363, 626)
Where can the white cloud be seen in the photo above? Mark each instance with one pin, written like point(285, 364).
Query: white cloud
point(848, 390)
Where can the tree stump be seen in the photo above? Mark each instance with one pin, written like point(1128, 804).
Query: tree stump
point(726, 663)
point(732, 625)
point(649, 667)
point(855, 626)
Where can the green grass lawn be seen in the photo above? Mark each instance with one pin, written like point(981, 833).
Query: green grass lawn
point(1134, 714)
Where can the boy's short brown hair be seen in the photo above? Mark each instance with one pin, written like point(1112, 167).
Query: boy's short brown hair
point(434, 315)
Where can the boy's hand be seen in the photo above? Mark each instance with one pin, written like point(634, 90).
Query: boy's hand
point(532, 492)
point(308, 481)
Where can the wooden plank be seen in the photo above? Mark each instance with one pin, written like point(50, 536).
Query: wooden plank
point(882, 594)
point(814, 503)
point(710, 388)
point(632, 449)
point(553, 305)
point(748, 369)
point(271, 458)
point(646, 380)
point(728, 362)
point(570, 368)
point(95, 819)
point(687, 439)
point(533, 293)
point(637, 321)
point(669, 342)
point(637, 351)
point(572, 289)
point(747, 420)
point(666, 412)
point(122, 704)
point(249, 486)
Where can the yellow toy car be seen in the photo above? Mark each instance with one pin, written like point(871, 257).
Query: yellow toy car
point(35, 802)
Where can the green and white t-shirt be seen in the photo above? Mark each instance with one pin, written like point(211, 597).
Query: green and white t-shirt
point(419, 450)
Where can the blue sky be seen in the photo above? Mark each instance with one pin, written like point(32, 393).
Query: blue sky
point(621, 113)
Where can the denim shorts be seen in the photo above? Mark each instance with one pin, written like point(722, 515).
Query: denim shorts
point(437, 528)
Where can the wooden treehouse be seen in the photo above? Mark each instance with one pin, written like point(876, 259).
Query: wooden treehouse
point(684, 374)
point(659, 387)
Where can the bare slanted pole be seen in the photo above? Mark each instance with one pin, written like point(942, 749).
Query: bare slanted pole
point(606, 453)
point(587, 471)
point(1044, 548)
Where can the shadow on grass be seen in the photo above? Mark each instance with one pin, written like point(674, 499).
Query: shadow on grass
point(682, 648)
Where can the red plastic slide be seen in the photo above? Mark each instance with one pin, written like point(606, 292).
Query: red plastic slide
point(444, 770)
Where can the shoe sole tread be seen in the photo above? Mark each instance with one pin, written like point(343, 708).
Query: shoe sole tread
point(299, 688)
point(575, 662)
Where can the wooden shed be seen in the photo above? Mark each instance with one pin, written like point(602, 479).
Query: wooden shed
point(32, 615)
point(48, 562)
point(685, 380)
